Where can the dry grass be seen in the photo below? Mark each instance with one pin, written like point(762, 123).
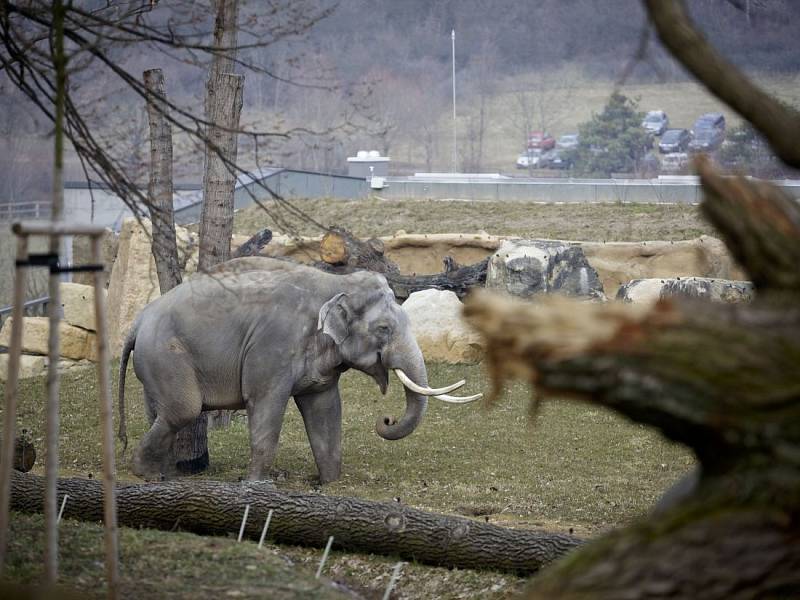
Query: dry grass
point(588, 222)
point(578, 468)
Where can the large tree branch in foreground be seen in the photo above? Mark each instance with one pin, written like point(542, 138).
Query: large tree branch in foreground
point(721, 379)
point(779, 122)
point(208, 507)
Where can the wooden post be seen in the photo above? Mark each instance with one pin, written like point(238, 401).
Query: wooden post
point(107, 423)
point(52, 424)
point(55, 231)
point(10, 409)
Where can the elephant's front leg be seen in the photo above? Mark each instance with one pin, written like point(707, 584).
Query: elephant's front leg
point(322, 415)
point(265, 417)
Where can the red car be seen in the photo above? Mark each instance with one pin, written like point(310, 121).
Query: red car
point(541, 140)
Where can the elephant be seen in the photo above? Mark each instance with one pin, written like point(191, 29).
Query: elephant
point(254, 332)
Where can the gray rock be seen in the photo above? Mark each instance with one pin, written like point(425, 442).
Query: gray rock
point(526, 268)
point(718, 290)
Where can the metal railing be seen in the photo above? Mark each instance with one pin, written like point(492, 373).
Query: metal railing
point(30, 304)
point(16, 211)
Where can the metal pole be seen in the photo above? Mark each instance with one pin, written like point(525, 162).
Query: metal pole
point(106, 419)
point(10, 409)
point(455, 137)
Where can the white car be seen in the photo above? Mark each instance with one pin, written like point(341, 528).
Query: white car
point(674, 162)
point(529, 159)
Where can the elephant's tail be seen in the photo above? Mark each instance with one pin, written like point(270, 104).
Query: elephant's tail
point(127, 348)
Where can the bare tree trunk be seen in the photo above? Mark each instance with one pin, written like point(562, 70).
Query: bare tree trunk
point(54, 305)
point(223, 107)
point(389, 528)
point(165, 247)
point(216, 225)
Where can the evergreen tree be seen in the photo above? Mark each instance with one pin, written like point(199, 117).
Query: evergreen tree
point(613, 141)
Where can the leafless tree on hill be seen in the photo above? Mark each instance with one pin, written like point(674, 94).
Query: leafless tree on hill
point(98, 42)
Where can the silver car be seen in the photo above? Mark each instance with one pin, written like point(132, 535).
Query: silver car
point(656, 122)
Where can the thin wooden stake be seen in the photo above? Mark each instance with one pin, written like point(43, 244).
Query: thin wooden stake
point(10, 409)
point(324, 557)
point(244, 522)
point(52, 423)
point(61, 510)
point(393, 580)
point(266, 526)
point(107, 424)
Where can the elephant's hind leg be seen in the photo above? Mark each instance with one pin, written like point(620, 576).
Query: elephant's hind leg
point(153, 456)
point(174, 400)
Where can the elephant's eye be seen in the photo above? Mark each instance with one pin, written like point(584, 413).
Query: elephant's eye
point(383, 330)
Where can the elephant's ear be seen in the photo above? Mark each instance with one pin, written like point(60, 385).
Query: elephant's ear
point(333, 318)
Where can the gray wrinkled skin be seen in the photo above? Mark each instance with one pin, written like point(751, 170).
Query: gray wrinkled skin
point(254, 333)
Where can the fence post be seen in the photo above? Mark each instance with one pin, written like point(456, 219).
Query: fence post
point(10, 410)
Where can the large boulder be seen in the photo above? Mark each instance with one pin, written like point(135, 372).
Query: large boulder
point(718, 290)
point(29, 366)
point(526, 268)
point(77, 302)
point(134, 279)
point(82, 255)
point(75, 343)
point(436, 322)
point(34, 365)
point(617, 263)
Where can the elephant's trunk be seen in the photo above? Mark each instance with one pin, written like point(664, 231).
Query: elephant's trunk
point(410, 360)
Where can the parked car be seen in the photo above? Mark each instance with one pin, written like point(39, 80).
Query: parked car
point(674, 162)
point(529, 159)
point(568, 141)
point(541, 140)
point(675, 140)
point(656, 122)
point(556, 159)
point(708, 132)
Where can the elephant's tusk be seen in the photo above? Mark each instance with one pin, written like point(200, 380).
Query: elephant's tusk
point(458, 399)
point(425, 391)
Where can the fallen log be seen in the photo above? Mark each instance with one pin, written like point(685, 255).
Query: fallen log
point(254, 245)
point(340, 248)
point(456, 278)
point(210, 507)
point(343, 253)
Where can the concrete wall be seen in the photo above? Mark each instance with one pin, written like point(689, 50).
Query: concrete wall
point(687, 191)
point(287, 184)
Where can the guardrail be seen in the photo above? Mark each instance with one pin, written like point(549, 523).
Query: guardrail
point(17, 211)
point(670, 190)
point(30, 304)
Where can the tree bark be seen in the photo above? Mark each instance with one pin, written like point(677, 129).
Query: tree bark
point(222, 107)
point(160, 189)
point(207, 507)
point(721, 379)
point(216, 224)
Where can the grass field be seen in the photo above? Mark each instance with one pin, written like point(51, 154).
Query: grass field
point(576, 468)
point(588, 222)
